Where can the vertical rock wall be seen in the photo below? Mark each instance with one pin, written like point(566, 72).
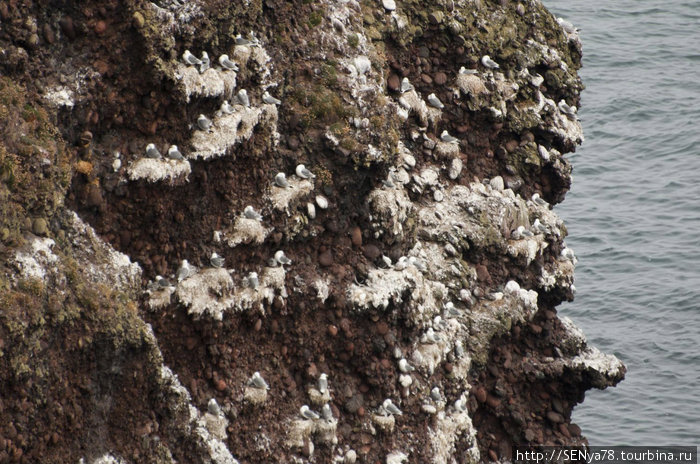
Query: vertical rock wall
point(417, 318)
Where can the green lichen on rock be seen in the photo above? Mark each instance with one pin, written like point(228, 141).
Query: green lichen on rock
point(35, 165)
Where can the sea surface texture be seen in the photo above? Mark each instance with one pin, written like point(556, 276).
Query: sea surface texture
point(633, 215)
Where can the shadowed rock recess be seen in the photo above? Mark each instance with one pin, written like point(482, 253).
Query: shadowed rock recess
point(426, 266)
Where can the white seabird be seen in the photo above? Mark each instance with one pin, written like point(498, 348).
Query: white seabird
point(250, 213)
point(459, 349)
point(162, 282)
point(174, 153)
point(258, 382)
point(203, 122)
point(216, 261)
point(240, 40)
point(307, 413)
point(204, 62)
point(304, 173)
point(227, 64)
point(270, 100)
point(405, 367)
point(326, 412)
point(213, 407)
point(566, 109)
point(435, 394)
point(433, 100)
point(152, 151)
point(281, 180)
point(391, 408)
point(242, 97)
point(538, 227)
point(252, 280)
point(190, 59)
point(323, 383)
point(489, 63)
point(184, 271)
point(406, 85)
point(281, 258)
point(568, 253)
point(226, 107)
point(446, 137)
point(536, 199)
point(464, 70)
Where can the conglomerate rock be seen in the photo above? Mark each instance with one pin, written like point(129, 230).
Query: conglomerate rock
point(417, 264)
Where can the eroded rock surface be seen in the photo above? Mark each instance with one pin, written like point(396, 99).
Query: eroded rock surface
point(422, 261)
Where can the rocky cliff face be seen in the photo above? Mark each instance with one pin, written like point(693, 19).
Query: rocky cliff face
point(426, 266)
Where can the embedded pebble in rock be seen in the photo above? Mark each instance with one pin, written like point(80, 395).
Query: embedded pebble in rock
point(455, 168)
point(356, 236)
point(325, 258)
point(389, 5)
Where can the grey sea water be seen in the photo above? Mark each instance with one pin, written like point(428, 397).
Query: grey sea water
point(633, 215)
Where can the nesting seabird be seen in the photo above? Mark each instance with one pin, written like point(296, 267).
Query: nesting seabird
point(452, 310)
point(323, 383)
point(204, 62)
point(387, 261)
point(203, 122)
point(250, 213)
point(538, 227)
point(489, 63)
point(242, 97)
point(216, 261)
point(174, 153)
point(281, 258)
point(433, 100)
point(405, 367)
point(536, 80)
point(307, 413)
point(430, 336)
point(326, 412)
point(240, 40)
point(464, 70)
point(252, 280)
point(446, 137)
point(391, 408)
point(406, 85)
point(190, 59)
point(257, 381)
point(459, 349)
point(536, 199)
point(281, 180)
point(568, 253)
point(435, 394)
point(162, 282)
point(543, 152)
point(270, 100)
point(184, 271)
point(460, 405)
point(213, 407)
point(227, 64)
point(226, 107)
point(566, 109)
point(304, 173)
point(152, 151)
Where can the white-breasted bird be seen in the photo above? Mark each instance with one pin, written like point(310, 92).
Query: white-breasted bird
point(323, 383)
point(326, 412)
point(446, 137)
point(433, 100)
point(489, 63)
point(391, 408)
point(281, 258)
point(539, 201)
point(203, 122)
point(252, 280)
point(281, 180)
point(258, 382)
point(213, 407)
point(174, 153)
point(242, 98)
point(216, 261)
point(406, 85)
point(566, 109)
point(304, 173)
point(307, 413)
point(270, 100)
point(152, 151)
point(250, 213)
point(435, 394)
point(190, 59)
point(184, 271)
point(162, 282)
point(226, 107)
point(227, 64)
point(204, 65)
point(405, 367)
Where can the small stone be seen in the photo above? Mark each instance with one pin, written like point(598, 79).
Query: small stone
point(48, 33)
point(138, 20)
point(389, 5)
point(480, 394)
point(493, 455)
point(427, 79)
point(100, 27)
point(350, 457)
point(574, 430)
point(40, 227)
point(332, 330)
point(440, 78)
point(326, 258)
point(67, 27)
point(371, 251)
point(493, 401)
point(258, 325)
point(436, 17)
point(555, 417)
point(220, 385)
point(456, 166)
point(393, 83)
point(356, 236)
point(382, 328)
